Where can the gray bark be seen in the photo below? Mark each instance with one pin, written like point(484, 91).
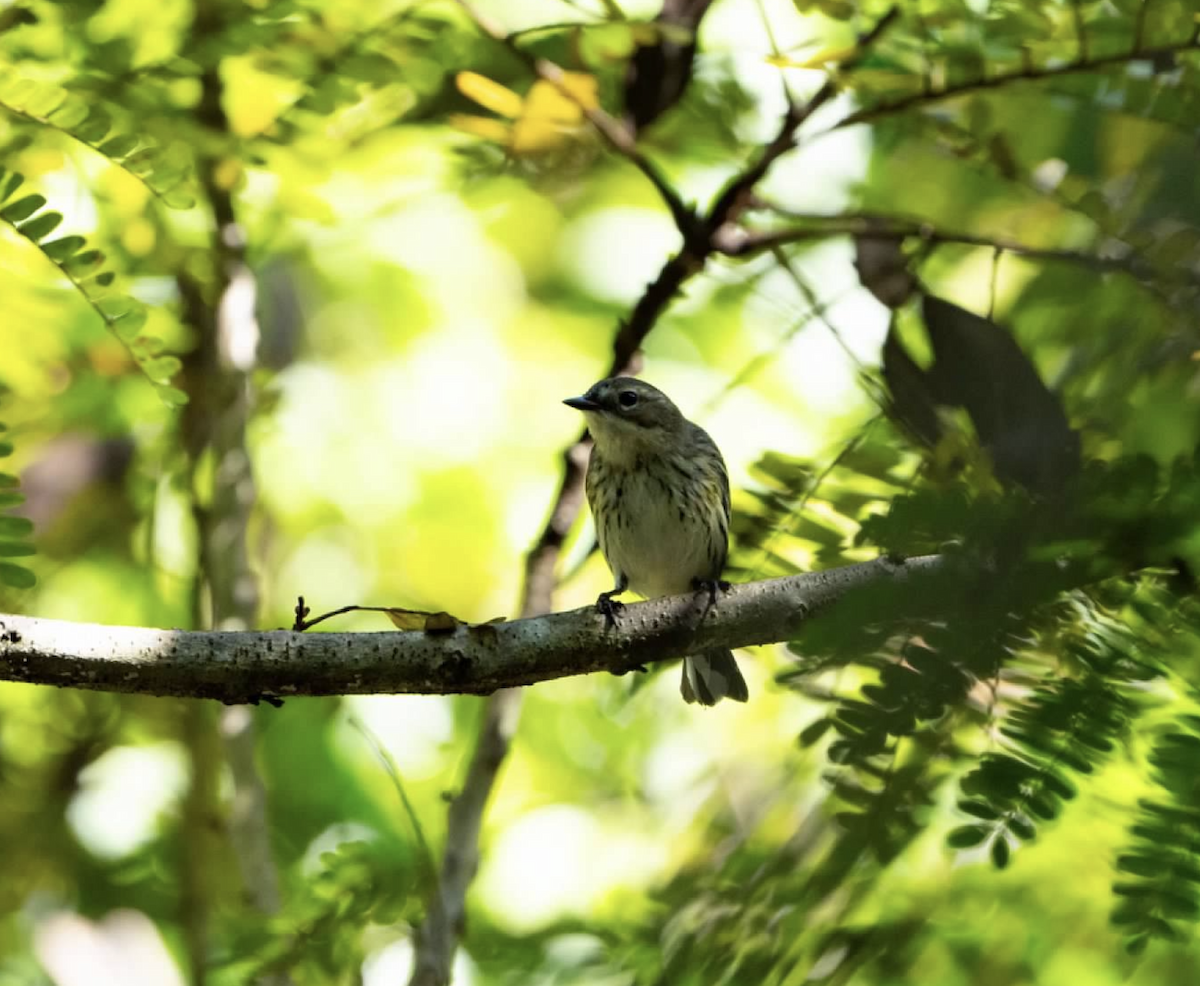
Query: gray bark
point(248, 666)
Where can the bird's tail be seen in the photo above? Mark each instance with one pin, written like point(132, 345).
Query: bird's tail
point(712, 676)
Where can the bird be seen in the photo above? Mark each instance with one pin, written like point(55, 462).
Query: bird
point(659, 493)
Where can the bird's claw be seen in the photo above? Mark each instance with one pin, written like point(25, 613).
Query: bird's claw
point(619, 672)
point(711, 586)
point(609, 607)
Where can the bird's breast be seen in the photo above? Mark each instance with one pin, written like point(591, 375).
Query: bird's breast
point(656, 534)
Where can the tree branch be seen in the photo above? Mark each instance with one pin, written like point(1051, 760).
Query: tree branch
point(245, 666)
point(612, 131)
point(869, 114)
point(740, 242)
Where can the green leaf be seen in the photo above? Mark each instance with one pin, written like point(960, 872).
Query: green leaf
point(11, 498)
point(16, 549)
point(370, 67)
point(63, 248)
point(6, 449)
point(72, 113)
point(8, 480)
point(128, 326)
point(979, 809)
point(44, 100)
point(966, 836)
point(83, 262)
point(179, 198)
point(12, 181)
point(171, 396)
point(813, 732)
point(144, 161)
point(23, 208)
point(1000, 853)
point(119, 147)
point(41, 225)
point(162, 369)
point(1146, 866)
point(95, 127)
point(17, 576)
point(15, 527)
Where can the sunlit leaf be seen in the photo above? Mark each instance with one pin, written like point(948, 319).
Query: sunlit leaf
point(22, 208)
point(489, 94)
point(16, 576)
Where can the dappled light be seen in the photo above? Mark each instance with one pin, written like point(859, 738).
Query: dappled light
point(303, 674)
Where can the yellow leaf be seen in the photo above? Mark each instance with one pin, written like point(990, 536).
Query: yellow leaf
point(583, 87)
point(819, 60)
point(419, 619)
point(536, 134)
point(440, 623)
point(481, 126)
point(406, 619)
point(551, 114)
point(489, 94)
point(487, 629)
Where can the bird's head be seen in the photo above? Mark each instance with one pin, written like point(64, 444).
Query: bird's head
point(623, 413)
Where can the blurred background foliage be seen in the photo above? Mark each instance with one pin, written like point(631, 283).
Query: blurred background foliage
point(969, 325)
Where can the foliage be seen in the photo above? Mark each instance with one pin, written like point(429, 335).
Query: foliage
point(15, 531)
point(957, 315)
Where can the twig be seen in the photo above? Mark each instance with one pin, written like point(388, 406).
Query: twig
point(870, 114)
point(240, 666)
point(445, 917)
point(743, 243)
point(814, 303)
point(612, 131)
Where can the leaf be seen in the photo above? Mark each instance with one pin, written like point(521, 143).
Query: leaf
point(162, 369)
point(489, 94)
point(822, 58)
point(979, 809)
point(416, 619)
point(441, 623)
point(17, 576)
point(118, 147)
point(16, 549)
point(63, 248)
point(81, 263)
point(72, 113)
point(179, 198)
point(814, 731)
point(370, 67)
point(15, 527)
point(171, 396)
point(1000, 853)
point(95, 127)
point(11, 183)
point(23, 208)
point(481, 126)
point(966, 836)
point(40, 226)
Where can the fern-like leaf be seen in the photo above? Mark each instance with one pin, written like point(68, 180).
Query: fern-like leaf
point(84, 268)
point(14, 531)
point(166, 174)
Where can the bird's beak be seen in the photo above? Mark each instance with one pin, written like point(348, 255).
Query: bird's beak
point(582, 404)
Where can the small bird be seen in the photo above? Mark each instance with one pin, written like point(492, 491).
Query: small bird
point(659, 493)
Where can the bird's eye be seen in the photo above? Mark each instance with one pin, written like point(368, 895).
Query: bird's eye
point(627, 398)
